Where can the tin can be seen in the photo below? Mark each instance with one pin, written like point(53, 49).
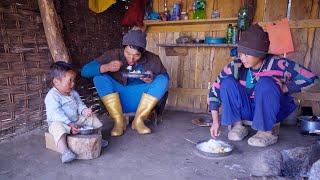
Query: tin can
point(184, 16)
point(215, 14)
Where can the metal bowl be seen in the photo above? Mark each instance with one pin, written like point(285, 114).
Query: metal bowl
point(203, 146)
point(136, 75)
point(86, 130)
point(309, 124)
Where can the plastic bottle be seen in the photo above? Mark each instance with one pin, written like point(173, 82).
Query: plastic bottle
point(243, 21)
point(229, 34)
point(235, 35)
point(200, 11)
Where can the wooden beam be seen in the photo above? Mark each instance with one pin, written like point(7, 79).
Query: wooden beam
point(307, 23)
point(209, 9)
point(189, 22)
point(189, 91)
point(307, 96)
point(311, 32)
point(172, 45)
point(52, 30)
point(173, 51)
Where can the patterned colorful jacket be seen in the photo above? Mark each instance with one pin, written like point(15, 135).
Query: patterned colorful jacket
point(295, 76)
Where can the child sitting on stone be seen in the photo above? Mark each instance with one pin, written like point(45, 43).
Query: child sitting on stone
point(66, 112)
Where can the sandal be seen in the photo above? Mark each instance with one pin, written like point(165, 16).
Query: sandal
point(237, 133)
point(203, 122)
point(262, 139)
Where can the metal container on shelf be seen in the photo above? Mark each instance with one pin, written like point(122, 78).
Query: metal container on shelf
point(184, 16)
point(215, 14)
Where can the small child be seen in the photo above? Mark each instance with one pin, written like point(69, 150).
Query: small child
point(65, 110)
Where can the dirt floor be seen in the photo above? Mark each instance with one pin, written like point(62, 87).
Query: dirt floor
point(164, 154)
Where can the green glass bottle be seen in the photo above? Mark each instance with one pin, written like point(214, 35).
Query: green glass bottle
point(243, 21)
point(200, 9)
point(229, 34)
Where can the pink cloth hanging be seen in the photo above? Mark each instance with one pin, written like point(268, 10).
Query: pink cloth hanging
point(280, 37)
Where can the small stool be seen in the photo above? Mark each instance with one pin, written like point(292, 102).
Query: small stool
point(154, 118)
point(84, 146)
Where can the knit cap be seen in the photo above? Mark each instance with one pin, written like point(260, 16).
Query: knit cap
point(254, 41)
point(135, 38)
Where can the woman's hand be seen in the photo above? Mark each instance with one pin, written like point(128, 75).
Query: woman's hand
point(112, 66)
point(282, 85)
point(214, 129)
point(148, 79)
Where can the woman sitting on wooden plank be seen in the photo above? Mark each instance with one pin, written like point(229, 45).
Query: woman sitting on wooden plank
point(113, 76)
point(257, 87)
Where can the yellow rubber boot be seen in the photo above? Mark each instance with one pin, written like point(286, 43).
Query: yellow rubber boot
point(145, 107)
point(113, 105)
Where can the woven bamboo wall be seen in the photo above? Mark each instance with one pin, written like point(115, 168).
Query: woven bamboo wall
point(87, 35)
point(24, 62)
point(190, 74)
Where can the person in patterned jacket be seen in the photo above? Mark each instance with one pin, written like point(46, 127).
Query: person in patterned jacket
point(257, 88)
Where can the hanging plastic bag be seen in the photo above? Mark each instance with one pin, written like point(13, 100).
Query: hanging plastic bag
point(98, 6)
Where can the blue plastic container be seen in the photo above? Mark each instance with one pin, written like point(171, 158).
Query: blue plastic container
point(214, 40)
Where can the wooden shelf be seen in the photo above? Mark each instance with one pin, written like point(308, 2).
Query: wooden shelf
point(182, 49)
point(197, 45)
point(195, 25)
point(193, 21)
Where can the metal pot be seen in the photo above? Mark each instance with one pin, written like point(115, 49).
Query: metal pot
point(309, 124)
point(86, 130)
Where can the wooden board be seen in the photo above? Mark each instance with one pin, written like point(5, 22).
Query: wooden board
point(300, 9)
point(228, 8)
point(275, 9)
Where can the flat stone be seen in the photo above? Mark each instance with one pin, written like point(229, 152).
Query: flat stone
point(315, 171)
point(297, 161)
point(264, 178)
point(85, 146)
point(267, 163)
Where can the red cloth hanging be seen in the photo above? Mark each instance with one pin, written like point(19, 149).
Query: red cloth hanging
point(135, 14)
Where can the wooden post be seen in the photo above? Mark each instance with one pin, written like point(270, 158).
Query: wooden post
point(311, 32)
point(52, 30)
point(209, 9)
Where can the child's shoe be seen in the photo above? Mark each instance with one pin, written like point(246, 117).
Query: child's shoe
point(104, 143)
point(68, 156)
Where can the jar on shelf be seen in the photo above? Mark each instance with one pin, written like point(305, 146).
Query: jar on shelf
point(184, 16)
point(215, 14)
